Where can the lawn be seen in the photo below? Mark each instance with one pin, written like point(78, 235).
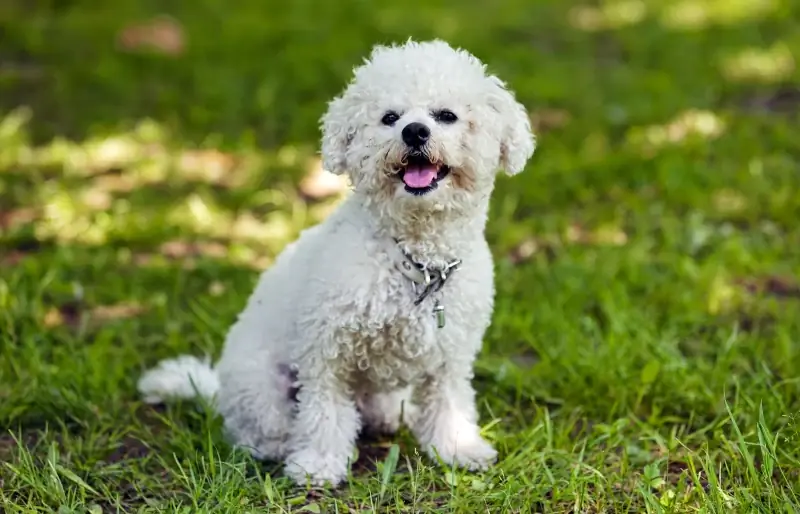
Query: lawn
point(645, 347)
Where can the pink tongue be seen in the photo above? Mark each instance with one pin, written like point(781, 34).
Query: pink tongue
point(420, 176)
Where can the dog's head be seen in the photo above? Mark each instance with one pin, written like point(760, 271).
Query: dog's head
point(424, 124)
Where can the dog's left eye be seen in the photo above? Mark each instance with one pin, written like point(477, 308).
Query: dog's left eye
point(445, 116)
point(390, 118)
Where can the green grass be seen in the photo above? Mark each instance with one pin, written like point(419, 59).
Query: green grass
point(645, 347)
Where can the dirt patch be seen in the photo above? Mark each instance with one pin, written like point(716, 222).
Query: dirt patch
point(72, 312)
point(582, 427)
point(783, 100)
point(526, 359)
point(750, 323)
point(371, 450)
point(9, 443)
point(678, 469)
point(777, 287)
point(130, 448)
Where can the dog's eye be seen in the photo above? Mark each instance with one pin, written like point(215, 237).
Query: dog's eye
point(445, 116)
point(390, 118)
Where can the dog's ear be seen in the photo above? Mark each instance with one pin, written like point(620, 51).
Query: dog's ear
point(337, 134)
point(517, 141)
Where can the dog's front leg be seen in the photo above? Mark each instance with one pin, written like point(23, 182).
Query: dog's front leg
point(325, 428)
point(447, 426)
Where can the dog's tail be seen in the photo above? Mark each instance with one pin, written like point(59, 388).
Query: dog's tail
point(185, 377)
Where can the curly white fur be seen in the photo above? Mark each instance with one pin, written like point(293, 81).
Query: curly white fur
point(334, 307)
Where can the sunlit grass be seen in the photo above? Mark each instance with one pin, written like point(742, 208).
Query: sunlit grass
point(767, 65)
point(697, 14)
point(609, 15)
point(109, 181)
point(691, 125)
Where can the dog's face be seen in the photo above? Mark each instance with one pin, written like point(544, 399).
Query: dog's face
point(423, 124)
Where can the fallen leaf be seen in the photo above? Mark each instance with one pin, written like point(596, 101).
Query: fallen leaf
point(96, 198)
point(210, 165)
point(544, 120)
point(16, 217)
point(116, 311)
point(162, 34)
point(605, 235)
point(53, 318)
point(116, 183)
point(523, 251)
point(12, 258)
point(181, 249)
point(216, 288)
point(319, 183)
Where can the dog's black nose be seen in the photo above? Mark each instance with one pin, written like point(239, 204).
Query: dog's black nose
point(416, 134)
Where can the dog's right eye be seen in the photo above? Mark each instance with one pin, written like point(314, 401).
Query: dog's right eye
point(390, 118)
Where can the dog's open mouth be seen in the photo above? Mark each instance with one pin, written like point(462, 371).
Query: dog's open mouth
point(420, 175)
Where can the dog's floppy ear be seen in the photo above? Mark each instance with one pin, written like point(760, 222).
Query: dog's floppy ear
point(517, 141)
point(337, 134)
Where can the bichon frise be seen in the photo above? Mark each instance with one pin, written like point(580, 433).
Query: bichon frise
point(375, 316)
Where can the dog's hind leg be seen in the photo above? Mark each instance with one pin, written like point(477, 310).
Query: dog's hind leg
point(325, 428)
point(256, 401)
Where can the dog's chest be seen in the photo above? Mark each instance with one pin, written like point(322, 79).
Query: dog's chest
point(399, 342)
point(396, 335)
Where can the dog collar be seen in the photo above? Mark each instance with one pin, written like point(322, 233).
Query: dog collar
point(429, 279)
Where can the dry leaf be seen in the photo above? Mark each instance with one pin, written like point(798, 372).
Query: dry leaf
point(318, 183)
point(607, 235)
point(549, 119)
point(181, 249)
point(12, 258)
point(162, 33)
point(116, 311)
point(523, 251)
point(53, 318)
point(216, 288)
point(96, 198)
point(211, 165)
point(17, 217)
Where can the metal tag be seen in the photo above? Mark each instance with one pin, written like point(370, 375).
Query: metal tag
point(438, 311)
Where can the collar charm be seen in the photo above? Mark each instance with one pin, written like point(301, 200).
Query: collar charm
point(419, 275)
point(438, 311)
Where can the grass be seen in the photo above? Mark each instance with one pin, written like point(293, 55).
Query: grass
point(645, 347)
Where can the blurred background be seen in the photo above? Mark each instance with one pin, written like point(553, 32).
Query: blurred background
point(154, 156)
point(162, 121)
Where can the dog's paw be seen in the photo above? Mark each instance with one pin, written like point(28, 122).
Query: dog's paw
point(464, 449)
point(317, 469)
point(479, 455)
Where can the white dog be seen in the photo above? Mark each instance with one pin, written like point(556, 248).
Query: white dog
point(377, 313)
